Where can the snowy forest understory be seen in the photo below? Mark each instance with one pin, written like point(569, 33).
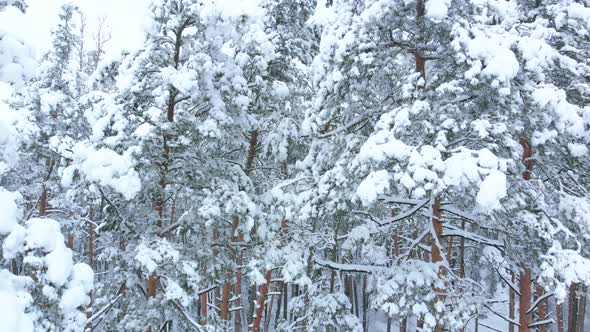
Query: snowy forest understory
point(293, 165)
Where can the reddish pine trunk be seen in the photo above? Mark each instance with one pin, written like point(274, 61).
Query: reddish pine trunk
point(420, 61)
point(511, 304)
point(525, 301)
point(572, 310)
point(263, 291)
point(541, 310)
point(204, 308)
point(152, 286)
point(462, 253)
point(239, 286)
point(224, 308)
point(70, 242)
point(91, 238)
point(436, 252)
point(525, 276)
point(559, 313)
point(43, 204)
point(402, 325)
point(527, 158)
point(90, 260)
point(450, 251)
point(396, 240)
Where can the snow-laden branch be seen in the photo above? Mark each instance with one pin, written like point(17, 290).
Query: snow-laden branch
point(458, 212)
point(343, 128)
point(452, 231)
point(539, 299)
point(403, 215)
point(191, 321)
point(541, 322)
point(346, 267)
point(398, 200)
point(509, 283)
point(175, 225)
point(105, 308)
point(414, 243)
point(502, 316)
point(207, 290)
point(184, 313)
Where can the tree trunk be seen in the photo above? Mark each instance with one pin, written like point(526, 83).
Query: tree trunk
point(582, 296)
point(559, 313)
point(462, 253)
point(511, 304)
point(239, 278)
point(436, 247)
point(263, 291)
point(525, 301)
point(356, 297)
point(286, 301)
point(43, 203)
point(224, 308)
point(572, 309)
point(541, 309)
point(365, 304)
point(450, 252)
point(90, 261)
point(204, 308)
point(525, 276)
point(152, 286)
point(269, 316)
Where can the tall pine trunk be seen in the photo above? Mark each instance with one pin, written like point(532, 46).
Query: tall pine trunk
point(525, 301)
point(511, 304)
point(559, 313)
point(259, 310)
point(525, 276)
point(436, 253)
point(582, 297)
point(541, 309)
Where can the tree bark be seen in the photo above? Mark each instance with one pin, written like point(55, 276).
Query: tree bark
point(525, 276)
point(204, 308)
point(511, 304)
point(152, 286)
point(582, 296)
point(525, 301)
point(90, 261)
point(559, 313)
point(572, 309)
point(541, 309)
point(224, 308)
point(462, 253)
point(43, 203)
point(263, 291)
point(436, 246)
point(365, 304)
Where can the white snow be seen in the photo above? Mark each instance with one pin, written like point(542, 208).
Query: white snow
point(376, 183)
point(491, 191)
point(12, 315)
point(9, 211)
point(437, 9)
point(108, 168)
